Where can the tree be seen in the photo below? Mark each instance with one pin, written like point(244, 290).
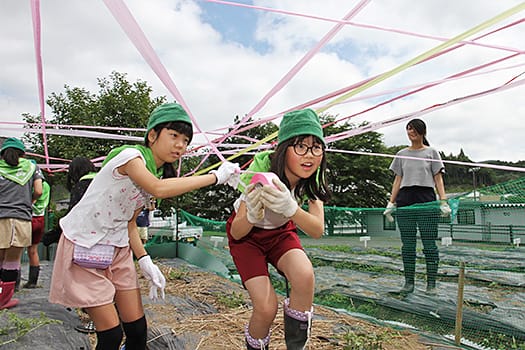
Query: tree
point(357, 181)
point(118, 103)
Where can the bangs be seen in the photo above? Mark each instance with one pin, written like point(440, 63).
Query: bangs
point(182, 128)
point(301, 138)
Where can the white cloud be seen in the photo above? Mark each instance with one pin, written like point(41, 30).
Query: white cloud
point(220, 78)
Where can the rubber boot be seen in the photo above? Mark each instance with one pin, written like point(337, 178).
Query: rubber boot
point(297, 326)
point(34, 271)
point(17, 284)
point(256, 344)
point(432, 268)
point(409, 270)
point(7, 289)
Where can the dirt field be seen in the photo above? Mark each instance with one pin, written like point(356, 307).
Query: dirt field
point(202, 311)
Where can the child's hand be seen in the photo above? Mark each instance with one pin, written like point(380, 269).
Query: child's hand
point(279, 199)
point(155, 277)
point(254, 205)
point(228, 173)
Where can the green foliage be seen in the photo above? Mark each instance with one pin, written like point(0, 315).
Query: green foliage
point(178, 274)
point(357, 181)
point(118, 103)
point(14, 327)
point(460, 178)
point(363, 341)
point(232, 300)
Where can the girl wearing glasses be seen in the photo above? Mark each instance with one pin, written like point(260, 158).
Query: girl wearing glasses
point(263, 228)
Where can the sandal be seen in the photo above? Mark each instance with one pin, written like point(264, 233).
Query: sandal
point(86, 328)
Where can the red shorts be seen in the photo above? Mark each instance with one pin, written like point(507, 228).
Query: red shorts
point(37, 229)
point(252, 253)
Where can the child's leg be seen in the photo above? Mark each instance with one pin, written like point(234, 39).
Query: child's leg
point(298, 310)
point(299, 271)
point(264, 301)
point(131, 311)
point(107, 323)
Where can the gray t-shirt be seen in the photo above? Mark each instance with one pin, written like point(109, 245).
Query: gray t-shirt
point(15, 199)
point(416, 172)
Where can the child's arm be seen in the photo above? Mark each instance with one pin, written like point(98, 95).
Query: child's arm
point(165, 188)
point(135, 242)
point(240, 225)
point(311, 221)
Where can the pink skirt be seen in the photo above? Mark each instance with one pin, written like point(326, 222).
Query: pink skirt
point(76, 286)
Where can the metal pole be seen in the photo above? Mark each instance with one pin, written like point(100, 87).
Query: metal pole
point(459, 309)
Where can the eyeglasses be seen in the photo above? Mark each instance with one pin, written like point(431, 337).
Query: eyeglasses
point(301, 149)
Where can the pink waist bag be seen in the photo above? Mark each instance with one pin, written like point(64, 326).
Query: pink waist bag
point(100, 256)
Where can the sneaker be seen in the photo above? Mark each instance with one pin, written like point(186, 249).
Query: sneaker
point(86, 328)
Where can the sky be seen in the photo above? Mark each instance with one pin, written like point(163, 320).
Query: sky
point(224, 59)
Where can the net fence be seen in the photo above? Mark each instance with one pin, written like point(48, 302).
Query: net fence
point(412, 268)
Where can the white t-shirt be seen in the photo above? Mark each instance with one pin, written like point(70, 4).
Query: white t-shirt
point(102, 215)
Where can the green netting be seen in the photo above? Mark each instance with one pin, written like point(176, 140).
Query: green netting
point(207, 225)
point(361, 264)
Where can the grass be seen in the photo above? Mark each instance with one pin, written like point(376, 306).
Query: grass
point(14, 327)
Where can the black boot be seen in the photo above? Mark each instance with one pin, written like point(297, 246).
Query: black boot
point(34, 271)
point(256, 344)
point(17, 283)
point(432, 268)
point(409, 270)
point(408, 287)
point(297, 326)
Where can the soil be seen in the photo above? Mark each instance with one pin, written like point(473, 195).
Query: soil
point(201, 311)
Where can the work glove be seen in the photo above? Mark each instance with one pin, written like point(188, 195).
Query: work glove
point(228, 173)
point(152, 273)
point(445, 209)
point(390, 207)
point(279, 200)
point(254, 205)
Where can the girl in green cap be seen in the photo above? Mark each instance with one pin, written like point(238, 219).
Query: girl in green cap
point(94, 266)
point(20, 185)
point(263, 228)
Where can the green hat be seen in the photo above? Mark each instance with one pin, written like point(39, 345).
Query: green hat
point(168, 112)
point(302, 122)
point(13, 142)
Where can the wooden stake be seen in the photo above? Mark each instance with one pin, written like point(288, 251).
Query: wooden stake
point(459, 309)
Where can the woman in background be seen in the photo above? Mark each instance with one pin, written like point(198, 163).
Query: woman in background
point(416, 182)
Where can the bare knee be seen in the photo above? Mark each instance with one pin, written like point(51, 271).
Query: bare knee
point(303, 280)
point(265, 312)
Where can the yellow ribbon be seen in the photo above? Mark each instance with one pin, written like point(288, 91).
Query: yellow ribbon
point(390, 73)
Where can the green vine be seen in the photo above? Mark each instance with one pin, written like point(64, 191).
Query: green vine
point(15, 327)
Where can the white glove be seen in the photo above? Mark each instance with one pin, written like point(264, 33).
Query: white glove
point(445, 209)
point(390, 207)
point(152, 273)
point(228, 173)
point(279, 200)
point(254, 205)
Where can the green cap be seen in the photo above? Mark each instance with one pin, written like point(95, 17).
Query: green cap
point(168, 112)
point(13, 142)
point(302, 122)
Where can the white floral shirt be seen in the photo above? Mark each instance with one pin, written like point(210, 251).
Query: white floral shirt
point(103, 213)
